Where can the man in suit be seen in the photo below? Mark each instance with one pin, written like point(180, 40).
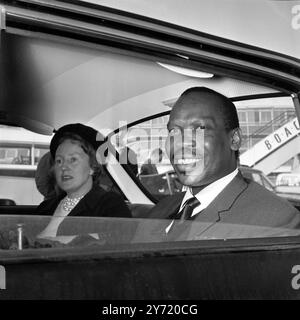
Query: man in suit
point(203, 147)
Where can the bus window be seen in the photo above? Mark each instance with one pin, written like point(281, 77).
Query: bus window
point(20, 151)
point(38, 153)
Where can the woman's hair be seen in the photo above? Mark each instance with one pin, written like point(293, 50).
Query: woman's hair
point(45, 178)
point(88, 149)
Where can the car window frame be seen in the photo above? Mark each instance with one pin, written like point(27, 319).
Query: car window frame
point(236, 67)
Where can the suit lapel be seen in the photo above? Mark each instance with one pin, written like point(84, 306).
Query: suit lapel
point(209, 216)
point(174, 205)
point(219, 207)
point(155, 229)
point(224, 201)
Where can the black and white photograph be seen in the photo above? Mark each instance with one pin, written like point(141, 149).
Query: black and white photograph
point(149, 153)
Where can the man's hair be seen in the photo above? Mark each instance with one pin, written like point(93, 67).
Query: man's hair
point(227, 108)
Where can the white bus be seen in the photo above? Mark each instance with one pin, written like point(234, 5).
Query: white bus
point(20, 151)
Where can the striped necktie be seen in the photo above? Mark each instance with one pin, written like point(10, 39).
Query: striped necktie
point(184, 214)
point(188, 208)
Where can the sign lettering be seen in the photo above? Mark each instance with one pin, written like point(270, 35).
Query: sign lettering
point(273, 141)
point(282, 135)
point(296, 17)
point(296, 279)
point(2, 277)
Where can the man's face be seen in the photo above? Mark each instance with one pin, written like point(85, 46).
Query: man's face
point(200, 149)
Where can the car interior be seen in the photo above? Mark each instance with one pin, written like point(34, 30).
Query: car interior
point(127, 91)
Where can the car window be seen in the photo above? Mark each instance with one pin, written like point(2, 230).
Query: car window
point(24, 232)
point(20, 153)
point(147, 157)
point(266, 125)
point(288, 180)
point(125, 93)
point(64, 62)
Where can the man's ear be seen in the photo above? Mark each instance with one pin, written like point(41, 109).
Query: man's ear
point(236, 139)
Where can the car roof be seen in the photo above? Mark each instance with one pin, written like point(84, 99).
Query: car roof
point(230, 19)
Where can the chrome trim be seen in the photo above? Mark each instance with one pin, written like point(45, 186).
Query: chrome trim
point(2, 18)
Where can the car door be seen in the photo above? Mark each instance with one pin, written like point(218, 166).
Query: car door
point(111, 70)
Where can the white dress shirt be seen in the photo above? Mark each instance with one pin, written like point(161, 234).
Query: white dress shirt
point(209, 193)
point(206, 195)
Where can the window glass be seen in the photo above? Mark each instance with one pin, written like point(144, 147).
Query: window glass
point(15, 155)
point(266, 116)
point(110, 89)
point(242, 116)
point(79, 84)
point(251, 116)
point(20, 151)
point(271, 144)
point(114, 234)
point(256, 116)
point(259, 119)
point(122, 73)
point(39, 152)
point(147, 157)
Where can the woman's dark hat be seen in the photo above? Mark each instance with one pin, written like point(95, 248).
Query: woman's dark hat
point(87, 133)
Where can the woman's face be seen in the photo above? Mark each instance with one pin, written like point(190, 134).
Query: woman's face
point(72, 169)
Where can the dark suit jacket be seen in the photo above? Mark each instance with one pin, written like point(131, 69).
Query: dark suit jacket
point(242, 202)
point(96, 203)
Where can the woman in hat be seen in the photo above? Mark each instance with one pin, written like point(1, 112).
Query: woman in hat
point(76, 171)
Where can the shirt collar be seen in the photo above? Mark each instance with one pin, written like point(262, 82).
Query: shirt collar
point(209, 193)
